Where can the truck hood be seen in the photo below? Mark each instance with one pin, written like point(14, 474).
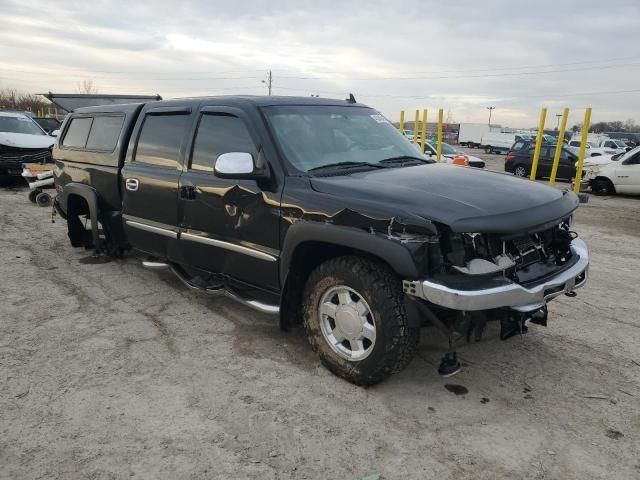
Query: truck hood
point(25, 140)
point(465, 199)
point(597, 160)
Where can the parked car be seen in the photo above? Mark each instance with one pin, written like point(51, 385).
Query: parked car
point(322, 212)
point(519, 162)
point(408, 134)
point(453, 155)
point(22, 140)
point(620, 175)
point(48, 124)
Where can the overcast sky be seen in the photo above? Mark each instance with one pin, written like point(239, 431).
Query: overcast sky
point(458, 55)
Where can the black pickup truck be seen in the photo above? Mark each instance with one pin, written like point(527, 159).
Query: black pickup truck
point(322, 212)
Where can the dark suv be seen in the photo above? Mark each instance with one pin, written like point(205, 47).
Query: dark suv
point(321, 212)
point(520, 158)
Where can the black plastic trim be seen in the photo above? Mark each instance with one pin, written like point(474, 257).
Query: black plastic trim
point(393, 253)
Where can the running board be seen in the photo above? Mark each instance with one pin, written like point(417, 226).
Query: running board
point(217, 292)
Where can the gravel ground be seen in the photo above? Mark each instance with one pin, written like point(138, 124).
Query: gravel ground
point(108, 370)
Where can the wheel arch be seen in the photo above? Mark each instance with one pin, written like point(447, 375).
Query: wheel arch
point(604, 178)
point(308, 244)
point(72, 197)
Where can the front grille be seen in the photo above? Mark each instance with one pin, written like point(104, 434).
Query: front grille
point(18, 156)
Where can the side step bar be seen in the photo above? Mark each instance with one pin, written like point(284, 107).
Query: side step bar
point(218, 292)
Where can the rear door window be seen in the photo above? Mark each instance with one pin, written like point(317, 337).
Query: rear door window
point(105, 132)
point(77, 133)
point(160, 140)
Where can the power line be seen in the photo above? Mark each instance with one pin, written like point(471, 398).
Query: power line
point(331, 75)
point(464, 77)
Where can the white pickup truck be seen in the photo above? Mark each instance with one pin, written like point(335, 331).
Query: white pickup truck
point(620, 174)
point(598, 145)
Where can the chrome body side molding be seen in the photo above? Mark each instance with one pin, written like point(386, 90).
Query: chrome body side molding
point(233, 247)
point(150, 228)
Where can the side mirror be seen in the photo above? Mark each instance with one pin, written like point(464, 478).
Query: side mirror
point(239, 166)
point(55, 133)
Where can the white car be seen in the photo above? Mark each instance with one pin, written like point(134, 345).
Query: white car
point(408, 134)
point(453, 155)
point(620, 175)
point(22, 140)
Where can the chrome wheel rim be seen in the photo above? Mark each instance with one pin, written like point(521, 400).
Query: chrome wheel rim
point(347, 323)
point(520, 172)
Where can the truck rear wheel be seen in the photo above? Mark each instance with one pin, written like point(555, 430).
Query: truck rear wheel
point(354, 317)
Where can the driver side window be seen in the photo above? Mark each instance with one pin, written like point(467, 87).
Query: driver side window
point(218, 134)
point(635, 160)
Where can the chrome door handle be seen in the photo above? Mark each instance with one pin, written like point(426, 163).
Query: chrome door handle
point(132, 184)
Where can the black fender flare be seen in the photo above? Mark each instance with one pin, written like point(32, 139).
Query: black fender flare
point(396, 255)
point(91, 196)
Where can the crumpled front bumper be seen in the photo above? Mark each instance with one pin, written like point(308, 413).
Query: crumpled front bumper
point(511, 294)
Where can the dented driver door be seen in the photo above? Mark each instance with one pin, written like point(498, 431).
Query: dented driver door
point(228, 226)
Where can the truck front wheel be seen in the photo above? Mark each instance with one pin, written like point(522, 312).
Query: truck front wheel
point(354, 317)
point(602, 186)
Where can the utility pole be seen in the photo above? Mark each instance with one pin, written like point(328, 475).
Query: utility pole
point(491, 109)
point(558, 116)
point(268, 82)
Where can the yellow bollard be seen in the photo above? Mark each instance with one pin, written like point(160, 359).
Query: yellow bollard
point(556, 158)
point(402, 122)
point(423, 134)
point(439, 147)
point(583, 146)
point(536, 152)
point(415, 126)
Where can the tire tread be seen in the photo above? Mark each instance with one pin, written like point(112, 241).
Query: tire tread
point(382, 282)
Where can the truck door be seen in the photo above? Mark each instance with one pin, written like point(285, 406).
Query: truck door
point(228, 226)
point(628, 175)
point(150, 180)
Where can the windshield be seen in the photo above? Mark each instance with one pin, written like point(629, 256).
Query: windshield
point(620, 144)
point(19, 124)
point(313, 136)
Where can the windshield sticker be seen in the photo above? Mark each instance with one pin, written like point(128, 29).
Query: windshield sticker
point(379, 118)
point(24, 119)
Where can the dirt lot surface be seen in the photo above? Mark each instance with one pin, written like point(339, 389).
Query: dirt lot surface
point(108, 370)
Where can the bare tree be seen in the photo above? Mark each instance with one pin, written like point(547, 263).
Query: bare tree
point(628, 125)
point(13, 99)
point(87, 87)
